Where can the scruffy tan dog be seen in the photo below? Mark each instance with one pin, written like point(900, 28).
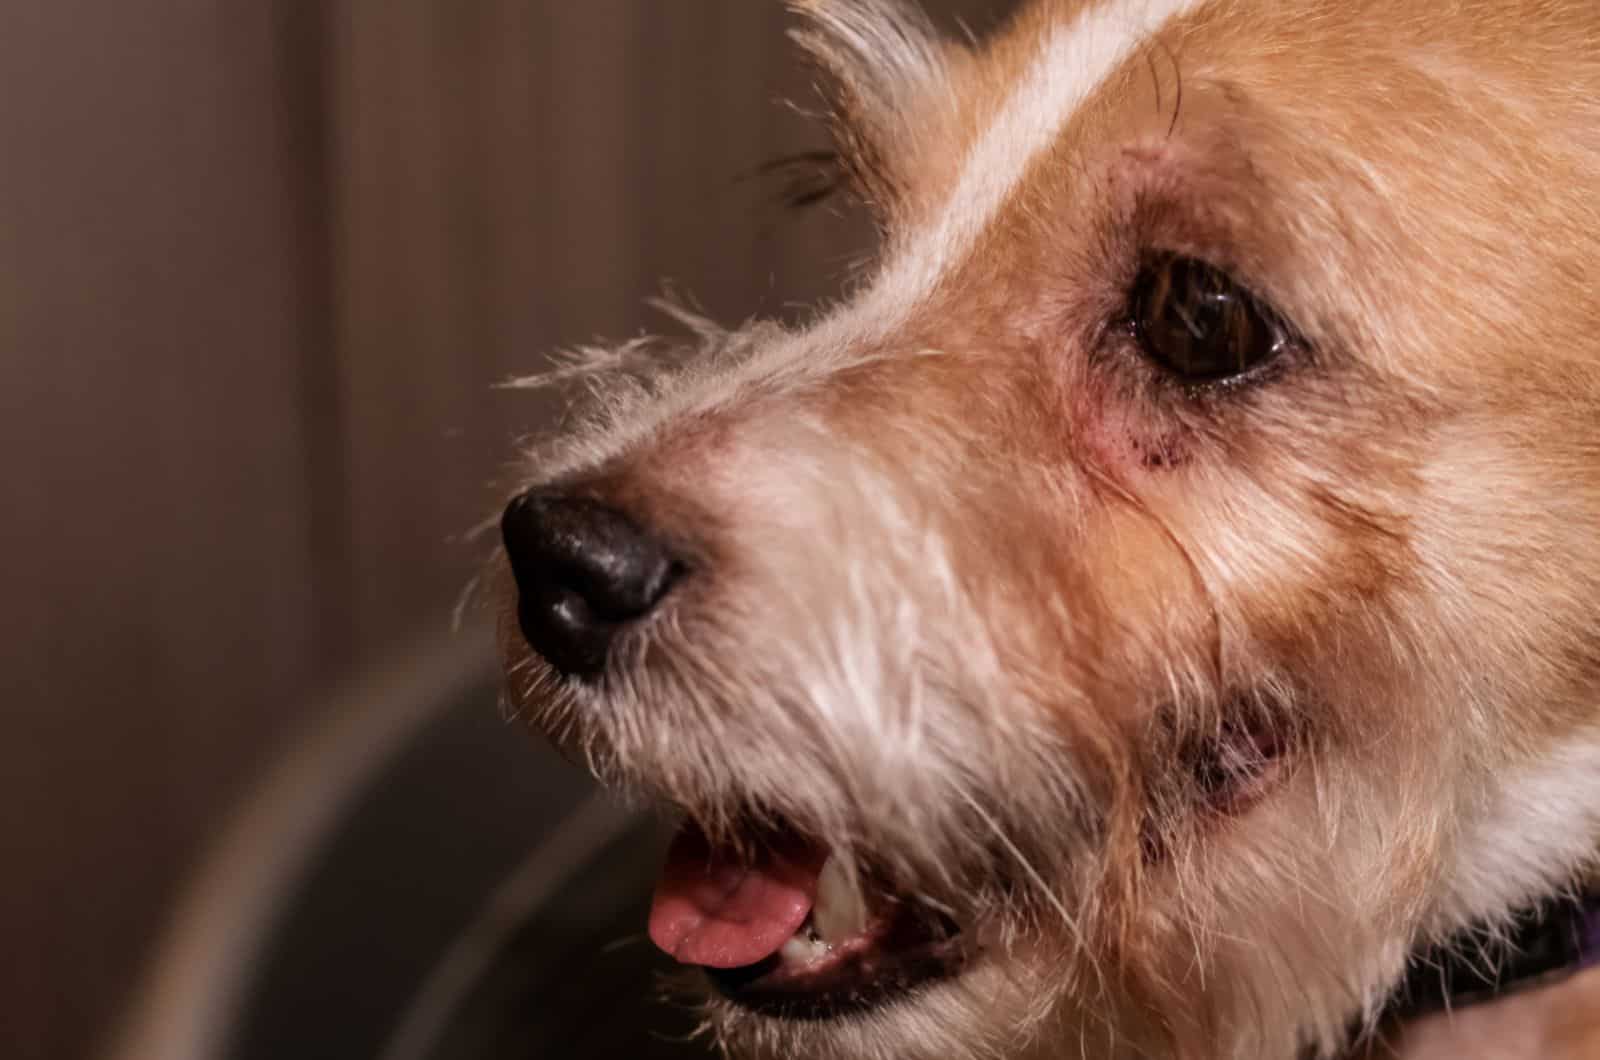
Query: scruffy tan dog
point(1164, 598)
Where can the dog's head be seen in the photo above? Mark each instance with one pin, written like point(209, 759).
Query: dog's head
point(1164, 593)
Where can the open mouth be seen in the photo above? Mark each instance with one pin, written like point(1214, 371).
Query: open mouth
point(783, 927)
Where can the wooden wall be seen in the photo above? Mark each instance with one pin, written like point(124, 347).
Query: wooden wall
point(165, 521)
point(261, 262)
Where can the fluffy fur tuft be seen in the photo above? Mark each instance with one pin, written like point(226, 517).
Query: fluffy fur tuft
point(887, 68)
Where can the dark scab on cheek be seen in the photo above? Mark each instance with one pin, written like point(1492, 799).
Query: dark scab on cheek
point(1118, 433)
point(1157, 454)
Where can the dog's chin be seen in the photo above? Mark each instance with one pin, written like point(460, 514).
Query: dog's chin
point(910, 988)
point(975, 1001)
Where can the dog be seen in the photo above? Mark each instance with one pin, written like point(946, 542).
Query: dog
point(1155, 609)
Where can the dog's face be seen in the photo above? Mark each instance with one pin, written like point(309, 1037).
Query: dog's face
point(1165, 592)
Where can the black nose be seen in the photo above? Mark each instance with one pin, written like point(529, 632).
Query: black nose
point(584, 571)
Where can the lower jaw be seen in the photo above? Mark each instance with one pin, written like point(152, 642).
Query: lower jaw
point(907, 955)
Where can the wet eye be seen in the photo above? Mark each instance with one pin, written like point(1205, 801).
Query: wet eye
point(1197, 323)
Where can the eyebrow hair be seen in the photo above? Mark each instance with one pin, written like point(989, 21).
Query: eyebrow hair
point(878, 61)
point(805, 178)
point(862, 167)
point(809, 177)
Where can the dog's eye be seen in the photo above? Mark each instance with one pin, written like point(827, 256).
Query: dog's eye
point(1197, 323)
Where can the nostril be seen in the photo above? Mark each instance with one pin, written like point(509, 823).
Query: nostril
point(583, 571)
point(595, 552)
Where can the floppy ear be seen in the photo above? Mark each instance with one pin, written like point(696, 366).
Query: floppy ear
point(887, 65)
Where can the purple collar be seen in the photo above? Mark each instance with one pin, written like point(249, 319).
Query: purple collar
point(1589, 940)
point(1546, 943)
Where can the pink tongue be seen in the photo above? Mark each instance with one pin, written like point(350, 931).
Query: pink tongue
point(714, 910)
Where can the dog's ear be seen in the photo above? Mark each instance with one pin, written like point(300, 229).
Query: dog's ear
point(888, 66)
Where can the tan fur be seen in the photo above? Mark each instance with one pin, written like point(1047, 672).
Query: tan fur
point(972, 581)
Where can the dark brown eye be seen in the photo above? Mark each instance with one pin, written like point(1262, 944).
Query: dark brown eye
point(1197, 323)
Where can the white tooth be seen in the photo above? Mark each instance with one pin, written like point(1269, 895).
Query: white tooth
point(840, 912)
point(802, 950)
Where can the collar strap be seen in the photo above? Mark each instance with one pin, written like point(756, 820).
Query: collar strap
point(1545, 943)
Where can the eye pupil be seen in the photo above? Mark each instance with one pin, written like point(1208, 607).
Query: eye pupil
point(1196, 322)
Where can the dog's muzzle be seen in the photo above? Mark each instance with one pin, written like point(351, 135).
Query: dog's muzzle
point(777, 919)
point(584, 572)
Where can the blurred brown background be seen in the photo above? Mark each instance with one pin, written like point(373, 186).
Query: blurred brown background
point(261, 262)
